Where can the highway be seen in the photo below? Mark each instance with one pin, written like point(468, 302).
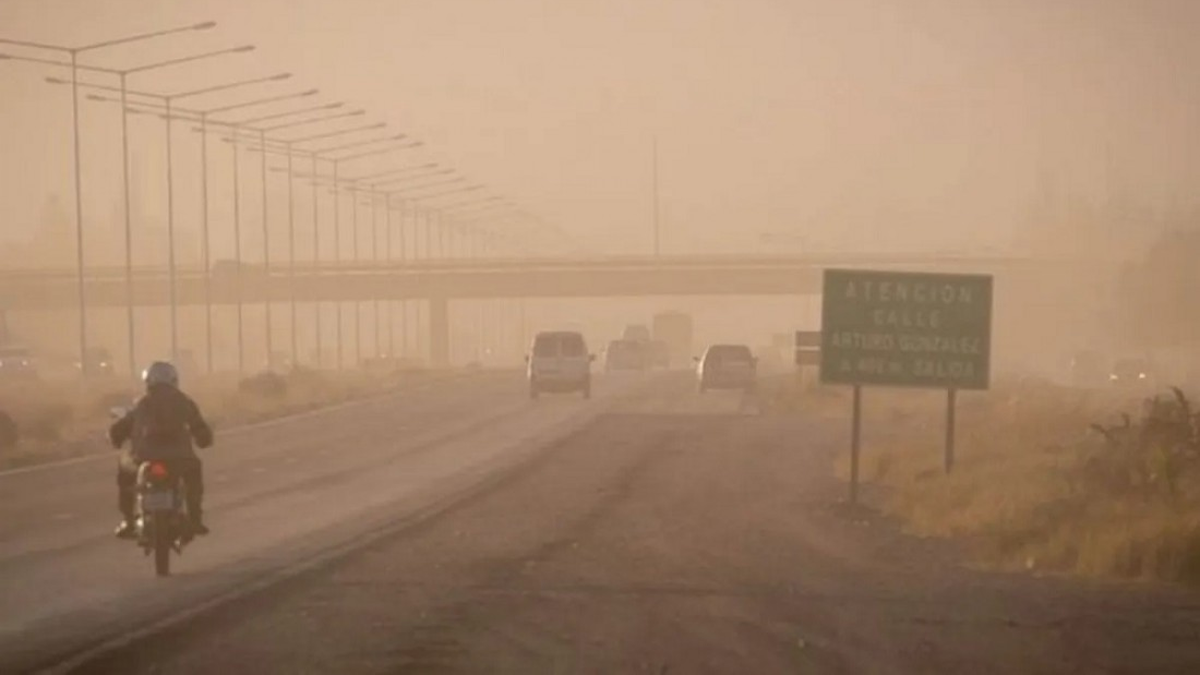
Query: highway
point(461, 527)
point(278, 493)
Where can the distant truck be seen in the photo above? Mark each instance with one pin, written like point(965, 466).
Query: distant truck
point(675, 330)
point(636, 333)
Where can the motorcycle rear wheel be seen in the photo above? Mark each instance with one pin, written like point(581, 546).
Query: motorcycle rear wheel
point(162, 546)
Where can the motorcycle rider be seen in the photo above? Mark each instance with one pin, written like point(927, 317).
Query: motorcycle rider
point(161, 426)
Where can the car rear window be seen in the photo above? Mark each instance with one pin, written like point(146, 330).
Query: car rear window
point(572, 345)
point(545, 345)
point(729, 353)
point(559, 344)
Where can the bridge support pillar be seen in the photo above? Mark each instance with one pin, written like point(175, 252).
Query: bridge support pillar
point(439, 332)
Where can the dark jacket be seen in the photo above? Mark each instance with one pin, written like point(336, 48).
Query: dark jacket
point(162, 425)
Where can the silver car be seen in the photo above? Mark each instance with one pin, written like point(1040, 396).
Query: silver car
point(559, 362)
point(726, 367)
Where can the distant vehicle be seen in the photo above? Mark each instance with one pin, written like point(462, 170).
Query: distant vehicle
point(1132, 372)
point(726, 367)
point(17, 363)
point(659, 354)
point(636, 333)
point(674, 329)
point(98, 362)
point(626, 355)
point(559, 362)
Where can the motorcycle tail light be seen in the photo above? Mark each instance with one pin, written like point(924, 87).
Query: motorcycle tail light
point(158, 470)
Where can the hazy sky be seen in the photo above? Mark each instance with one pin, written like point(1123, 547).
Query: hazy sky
point(868, 124)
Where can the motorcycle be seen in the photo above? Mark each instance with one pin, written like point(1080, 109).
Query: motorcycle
point(162, 522)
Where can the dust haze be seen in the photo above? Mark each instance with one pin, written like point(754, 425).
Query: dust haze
point(496, 307)
point(1059, 131)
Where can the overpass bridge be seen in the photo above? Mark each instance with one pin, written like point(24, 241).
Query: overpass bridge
point(227, 284)
point(439, 282)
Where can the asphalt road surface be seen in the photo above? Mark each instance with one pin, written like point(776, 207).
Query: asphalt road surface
point(466, 529)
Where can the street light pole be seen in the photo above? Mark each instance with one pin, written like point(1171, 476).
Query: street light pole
point(357, 303)
point(205, 244)
point(337, 182)
point(375, 260)
point(291, 256)
point(266, 231)
point(316, 263)
point(83, 350)
point(337, 257)
point(75, 67)
point(237, 261)
point(287, 149)
point(74, 53)
point(387, 230)
point(125, 188)
point(171, 243)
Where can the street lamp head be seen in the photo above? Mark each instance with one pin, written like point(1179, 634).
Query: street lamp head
point(281, 76)
point(96, 97)
point(57, 80)
point(205, 26)
point(243, 49)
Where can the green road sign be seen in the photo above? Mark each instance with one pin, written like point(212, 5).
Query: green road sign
point(906, 329)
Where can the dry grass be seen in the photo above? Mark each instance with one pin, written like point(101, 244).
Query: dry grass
point(64, 419)
point(788, 393)
point(1034, 487)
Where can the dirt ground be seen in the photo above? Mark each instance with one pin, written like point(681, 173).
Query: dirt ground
point(678, 536)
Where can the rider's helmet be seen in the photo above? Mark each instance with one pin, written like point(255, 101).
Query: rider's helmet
point(161, 372)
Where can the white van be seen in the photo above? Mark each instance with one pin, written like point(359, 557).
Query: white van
point(559, 362)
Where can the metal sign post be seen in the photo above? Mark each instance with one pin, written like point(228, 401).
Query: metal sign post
point(951, 405)
point(855, 444)
point(806, 351)
point(904, 329)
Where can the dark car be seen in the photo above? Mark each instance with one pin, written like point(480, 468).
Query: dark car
point(98, 361)
point(726, 367)
point(1132, 372)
